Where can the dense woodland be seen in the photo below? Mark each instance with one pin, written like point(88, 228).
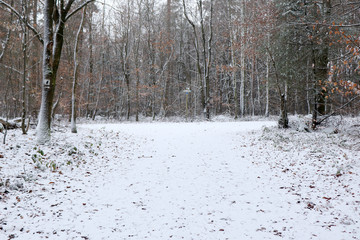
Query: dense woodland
point(132, 58)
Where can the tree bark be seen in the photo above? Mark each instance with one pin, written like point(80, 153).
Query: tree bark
point(24, 48)
point(55, 18)
point(242, 60)
point(76, 65)
point(320, 64)
point(283, 121)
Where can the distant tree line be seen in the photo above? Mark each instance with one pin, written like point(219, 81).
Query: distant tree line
point(136, 58)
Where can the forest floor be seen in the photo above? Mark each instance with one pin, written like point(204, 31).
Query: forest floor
point(200, 180)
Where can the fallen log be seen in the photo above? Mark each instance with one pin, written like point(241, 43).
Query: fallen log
point(10, 124)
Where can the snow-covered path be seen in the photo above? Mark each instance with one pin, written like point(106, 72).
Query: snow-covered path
point(185, 181)
point(180, 181)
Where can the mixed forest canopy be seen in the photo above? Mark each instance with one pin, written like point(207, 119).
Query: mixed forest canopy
point(131, 58)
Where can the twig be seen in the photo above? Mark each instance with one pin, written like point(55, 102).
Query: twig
point(335, 111)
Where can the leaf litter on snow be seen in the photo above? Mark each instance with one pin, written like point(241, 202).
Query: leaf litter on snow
point(181, 181)
point(38, 182)
point(321, 169)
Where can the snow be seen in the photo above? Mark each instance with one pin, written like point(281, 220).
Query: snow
point(200, 180)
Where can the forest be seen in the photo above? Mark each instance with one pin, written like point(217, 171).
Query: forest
point(179, 119)
point(201, 58)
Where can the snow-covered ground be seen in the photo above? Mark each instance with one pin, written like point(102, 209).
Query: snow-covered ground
point(203, 180)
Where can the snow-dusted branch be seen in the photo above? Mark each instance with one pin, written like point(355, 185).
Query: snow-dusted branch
point(22, 19)
point(77, 9)
point(5, 44)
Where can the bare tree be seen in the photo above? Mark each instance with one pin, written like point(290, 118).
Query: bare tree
point(56, 15)
point(206, 44)
point(75, 77)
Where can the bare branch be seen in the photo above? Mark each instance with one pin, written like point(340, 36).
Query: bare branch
point(326, 25)
point(79, 8)
point(5, 44)
point(337, 110)
point(68, 6)
point(21, 18)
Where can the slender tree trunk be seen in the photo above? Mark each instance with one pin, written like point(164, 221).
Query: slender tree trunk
point(102, 64)
point(267, 87)
point(128, 103)
point(137, 90)
point(242, 60)
point(198, 64)
point(233, 60)
point(137, 62)
point(259, 112)
point(76, 65)
point(24, 48)
point(252, 90)
point(91, 69)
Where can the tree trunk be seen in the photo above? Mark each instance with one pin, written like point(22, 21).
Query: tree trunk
point(48, 86)
point(24, 47)
point(102, 65)
point(233, 61)
point(55, 18)
point(283, 121)
point(320, 65)
point(76, 65)
point(242, 61)
point(91, 69)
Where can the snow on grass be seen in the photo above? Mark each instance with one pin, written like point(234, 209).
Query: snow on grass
point(201, 180)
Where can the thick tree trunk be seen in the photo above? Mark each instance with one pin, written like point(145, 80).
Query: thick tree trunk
point(54, 19)
point(48, 86)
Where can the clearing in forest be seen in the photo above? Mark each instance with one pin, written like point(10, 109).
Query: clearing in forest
point(204, 180)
